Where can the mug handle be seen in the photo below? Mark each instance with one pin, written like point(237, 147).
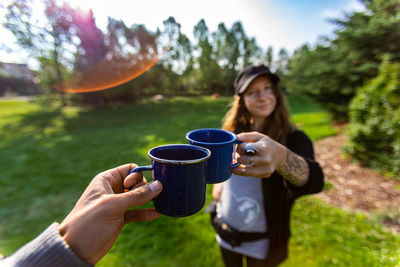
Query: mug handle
point(141, 168)
point(236, 164)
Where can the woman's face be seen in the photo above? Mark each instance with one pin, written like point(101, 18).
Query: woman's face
point(259, 98)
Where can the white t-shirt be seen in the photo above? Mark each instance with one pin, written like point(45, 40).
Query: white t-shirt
point(242, 207)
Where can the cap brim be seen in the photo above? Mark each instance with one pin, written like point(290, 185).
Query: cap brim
point(270, 75)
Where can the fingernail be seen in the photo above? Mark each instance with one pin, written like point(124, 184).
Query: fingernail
point(155, 186)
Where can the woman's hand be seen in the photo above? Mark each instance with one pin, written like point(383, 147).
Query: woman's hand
point(216, 191)
point(95, 222)
point(270, 156)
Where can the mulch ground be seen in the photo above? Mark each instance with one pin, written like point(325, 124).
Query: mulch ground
point(356, 187)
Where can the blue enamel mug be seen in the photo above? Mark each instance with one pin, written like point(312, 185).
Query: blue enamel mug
point(222, 145)
point(181, 169)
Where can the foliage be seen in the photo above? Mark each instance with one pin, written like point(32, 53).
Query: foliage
point(332, 71)
point(323, 74)
point(207, 81)
point(374, 131)
point(68, 41)
point(46, 39)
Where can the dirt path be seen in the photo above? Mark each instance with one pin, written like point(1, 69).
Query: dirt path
point(355, 187)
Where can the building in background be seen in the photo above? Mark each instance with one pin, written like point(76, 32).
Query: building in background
point(18, 80)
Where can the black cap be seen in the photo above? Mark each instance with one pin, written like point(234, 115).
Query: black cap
point(247, 75)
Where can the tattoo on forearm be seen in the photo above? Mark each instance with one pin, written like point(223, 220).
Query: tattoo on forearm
point(295, 169)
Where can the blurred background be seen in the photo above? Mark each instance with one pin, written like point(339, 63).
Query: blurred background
point(89, 85)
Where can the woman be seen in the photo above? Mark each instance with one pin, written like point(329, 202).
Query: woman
point(252, 214)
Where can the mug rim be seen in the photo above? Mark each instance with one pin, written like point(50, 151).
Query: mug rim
point(180, 162)
point(208, 143)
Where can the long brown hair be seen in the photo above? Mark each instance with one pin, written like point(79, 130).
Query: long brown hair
point(277, 125)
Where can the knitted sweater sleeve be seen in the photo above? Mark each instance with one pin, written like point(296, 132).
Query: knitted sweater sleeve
point(48, 249)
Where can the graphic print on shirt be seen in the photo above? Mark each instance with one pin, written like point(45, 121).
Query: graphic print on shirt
point(245, 210)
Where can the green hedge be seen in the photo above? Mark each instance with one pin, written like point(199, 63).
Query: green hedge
point(374, 130)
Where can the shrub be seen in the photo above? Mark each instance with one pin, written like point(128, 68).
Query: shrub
point(374, 130)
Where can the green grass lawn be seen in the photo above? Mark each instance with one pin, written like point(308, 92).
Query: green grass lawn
point(49, 154)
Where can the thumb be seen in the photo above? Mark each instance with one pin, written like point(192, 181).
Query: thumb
point(140, 195)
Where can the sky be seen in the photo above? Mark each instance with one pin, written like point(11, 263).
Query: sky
point(280, 23)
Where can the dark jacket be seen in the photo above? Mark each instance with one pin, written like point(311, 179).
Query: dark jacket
point(279, 196)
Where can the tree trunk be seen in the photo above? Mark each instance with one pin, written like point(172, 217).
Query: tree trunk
point(58, 71)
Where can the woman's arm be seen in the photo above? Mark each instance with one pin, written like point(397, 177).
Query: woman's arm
point(294, 169)
point(216, 191)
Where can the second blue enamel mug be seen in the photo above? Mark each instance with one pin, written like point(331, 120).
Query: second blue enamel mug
point(222, 145)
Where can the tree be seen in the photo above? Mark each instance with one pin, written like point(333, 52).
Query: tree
point(233, 51)
point(180, 55)
point(374, 131)
point(323, 74)
point(227, 53)
point(336, 67)
point(252, 52)
point(226, 46)
point(91, 49)
point(282, 62)
point(35, 38)
point(206, 79)
point(133, 50)
point(269, 57)
point(186, 61)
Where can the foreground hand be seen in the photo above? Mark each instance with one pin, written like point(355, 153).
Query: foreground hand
point(269, 156)
point(95, 222)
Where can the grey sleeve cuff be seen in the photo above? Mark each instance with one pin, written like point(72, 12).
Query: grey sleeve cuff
point(48, 249)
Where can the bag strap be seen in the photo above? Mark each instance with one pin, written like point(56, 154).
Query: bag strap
point(230, 234)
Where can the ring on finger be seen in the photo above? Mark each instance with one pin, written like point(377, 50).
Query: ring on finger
point(249, 149)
